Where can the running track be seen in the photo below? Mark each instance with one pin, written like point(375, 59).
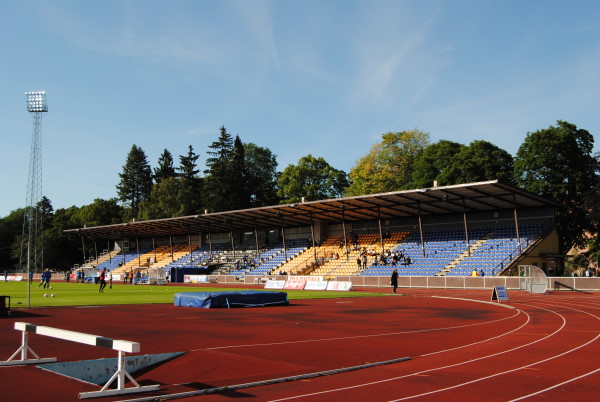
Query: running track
point(461, 347)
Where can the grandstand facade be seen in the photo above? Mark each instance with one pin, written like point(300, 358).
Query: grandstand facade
point(448, 231)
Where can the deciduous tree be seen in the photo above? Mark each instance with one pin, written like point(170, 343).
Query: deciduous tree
point(389, 164)
point(312, 178)
point(557, 163)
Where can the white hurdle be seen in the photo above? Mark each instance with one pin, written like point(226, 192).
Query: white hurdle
point(119, 345)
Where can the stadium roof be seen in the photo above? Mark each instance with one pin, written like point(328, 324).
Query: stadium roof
point(481, 196)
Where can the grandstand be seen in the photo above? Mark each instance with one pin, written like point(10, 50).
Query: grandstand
point(446, 231)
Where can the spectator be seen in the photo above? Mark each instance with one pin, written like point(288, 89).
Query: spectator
point(394, 280)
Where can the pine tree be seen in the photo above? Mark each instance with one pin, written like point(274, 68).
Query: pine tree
point(188, 167)
point(165, 167)
point(218, 180)
point(190, 184)
point(240, 198)
point(136, 180)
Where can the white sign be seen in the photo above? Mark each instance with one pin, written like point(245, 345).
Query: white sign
point(304, 278)
point(195, 279)
point(16, 278)
point(294, 285)
point(316, 285)
point(343, 286)
point(272, 284)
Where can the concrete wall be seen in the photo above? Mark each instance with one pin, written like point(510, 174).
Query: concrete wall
point(441, 282)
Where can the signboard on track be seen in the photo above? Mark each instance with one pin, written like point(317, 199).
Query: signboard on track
point(500, 294)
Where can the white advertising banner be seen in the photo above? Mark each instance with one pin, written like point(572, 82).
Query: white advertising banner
point(316, 285)
point(304, 278)
point(195, 279)
point(294, 285)
point(343, 286)
point(16, 278)
point(272, 284)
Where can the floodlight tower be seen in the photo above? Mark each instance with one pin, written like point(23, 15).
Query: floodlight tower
point(33, 254)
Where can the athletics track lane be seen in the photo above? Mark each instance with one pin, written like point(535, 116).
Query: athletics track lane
point(454, 344)
point(541, 360)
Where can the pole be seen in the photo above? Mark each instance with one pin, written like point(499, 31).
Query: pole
point(421, 230)
point(154, 247)
point(283, 237)
point(380, 231)
point(83, 248)
point(256, 240)
point(466, 227)
point(344, 230)
point(312, 233)
point(516, 221)
point(171, 244)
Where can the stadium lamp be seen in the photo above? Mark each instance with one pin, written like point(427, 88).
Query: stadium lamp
point(36, 101)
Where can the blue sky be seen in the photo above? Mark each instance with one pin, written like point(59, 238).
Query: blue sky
point(295, 76)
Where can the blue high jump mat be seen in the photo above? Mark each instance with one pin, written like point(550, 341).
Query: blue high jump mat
point(230, 299)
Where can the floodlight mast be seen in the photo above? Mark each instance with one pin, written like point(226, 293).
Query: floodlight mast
point(33, 253)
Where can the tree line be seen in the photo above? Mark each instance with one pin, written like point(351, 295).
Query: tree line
point(556, 163)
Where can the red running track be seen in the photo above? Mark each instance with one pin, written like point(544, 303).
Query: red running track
point(461, 347)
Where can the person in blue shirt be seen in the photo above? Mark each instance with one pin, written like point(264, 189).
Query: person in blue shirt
point(46, 275)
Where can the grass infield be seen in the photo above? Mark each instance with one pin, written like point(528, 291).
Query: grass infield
point(85, 294)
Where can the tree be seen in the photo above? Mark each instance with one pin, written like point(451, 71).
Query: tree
point(188, 189)
point(136, 180)
point(218, 183)
point(557, 163)
point(389, 164)
point(188, 167)
point(261, 167)
point(480, 161)
point(11, 230)
point(591, 204)
point(165, 167)
point(165, 200)
point(100, 212)
point(60, 250)
point(240, 193)
point(312, 178)
point(434, 164)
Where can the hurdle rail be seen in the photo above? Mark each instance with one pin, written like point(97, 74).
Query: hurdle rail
point(119, 345)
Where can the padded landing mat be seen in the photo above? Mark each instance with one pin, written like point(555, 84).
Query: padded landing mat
point(246, 298)
point(99, 371)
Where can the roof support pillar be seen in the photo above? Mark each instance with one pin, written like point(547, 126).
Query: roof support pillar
point(209, 242)
point(154, 246)
point(137, 246)
point(421, 229)
point(109, 252)
point(380, 230)
point(283, 238)
point(516, 221)
point(231, 235)
point(312, 234)
point(123, 248)
point(466, 228)
point(344, 230)
point(256, 240)
point(171, 243)
point(83, 248)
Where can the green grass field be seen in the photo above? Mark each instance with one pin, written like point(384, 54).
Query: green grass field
point(85, 294)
